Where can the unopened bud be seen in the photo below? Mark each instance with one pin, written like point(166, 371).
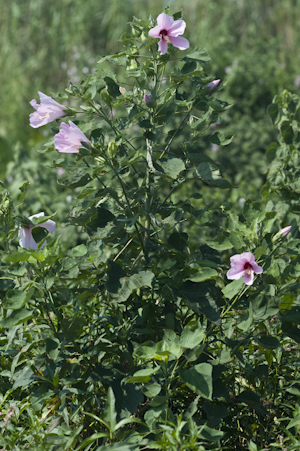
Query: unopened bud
point(285, 231)
point(122, 90)
point(213, 84)
point(282, 233)
point(147, 99)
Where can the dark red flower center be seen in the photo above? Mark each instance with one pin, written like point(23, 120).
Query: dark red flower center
point(164, 33)
point(247, 266)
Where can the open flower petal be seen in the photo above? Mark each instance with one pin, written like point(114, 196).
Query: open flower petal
point(164, 21)
point(162, 46)
point(177, 28)
point(69, 138)
point(48, 111)
point(248, 278)
point(180, 43)
point(235, 273)
point(256, 268)
point(26, 239)
point(155, 32)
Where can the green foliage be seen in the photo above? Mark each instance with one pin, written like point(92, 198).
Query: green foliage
point(121, 330)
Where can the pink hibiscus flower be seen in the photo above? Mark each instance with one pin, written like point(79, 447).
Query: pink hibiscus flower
point(168, 30)
point(26, 239)
point(243, 265)
point(69, 138)
point(46, 112)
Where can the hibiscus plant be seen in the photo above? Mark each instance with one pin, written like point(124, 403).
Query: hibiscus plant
point(132, 332)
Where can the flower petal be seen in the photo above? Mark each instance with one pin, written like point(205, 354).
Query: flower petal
point(154, 32)
point(248, 256)
point(180, 43)
point(69, 138)
point(162, 46)
point(248, 278)
point(164, 21)
point(235, 273)
point(256, 268)
point(177, 28)
point(49, 225)
point(26, 239)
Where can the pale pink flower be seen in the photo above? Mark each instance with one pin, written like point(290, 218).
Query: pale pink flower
point(46, 112)
point(168, 30)
point(147, 98)
point(26, 239)
point(60, 171)
point(285, 231)
point(213, 84)
point(243, 265)
point(69, 138)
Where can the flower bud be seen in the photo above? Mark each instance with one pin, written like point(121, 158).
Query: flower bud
point(213, 85)
point(282, 233)
point(122, 90)
point(147, 99)
point(285, 231)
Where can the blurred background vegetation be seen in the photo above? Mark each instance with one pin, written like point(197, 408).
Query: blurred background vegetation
point(254, 48)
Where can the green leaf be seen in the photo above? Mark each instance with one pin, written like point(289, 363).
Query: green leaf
point(265, 306)
point(132, 283)
point(246, 320)
point(198, 54)
point(221, 140)
point(151, 390)
point(232, 289)
point(191, 338)
point(79, 251)
point(267, 341)
point(16, 317)
point(210, 174)
point(171, 167)
point(25, 377)
point(220, 242)
point(254, 211)
point(204, 274)
point(294, 422)
point(110, 414)
point(178, 240)
point(91, 439)
point(273, 112)
point(23, 190)
point(112, 87)
point(200, 297)
point(142, 375)
point(253, 401)
point(199, 379)
point(52, 347)
point(15, 299)
point(192, 409)
point(210, 434)
point(78, 178)
point(19, 256)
